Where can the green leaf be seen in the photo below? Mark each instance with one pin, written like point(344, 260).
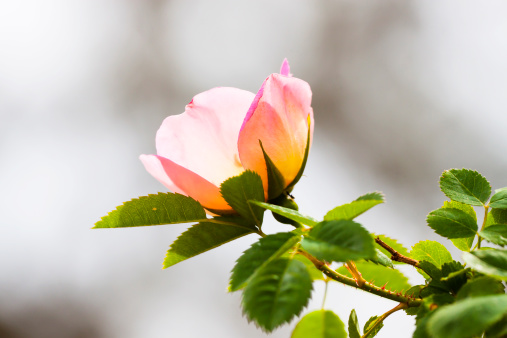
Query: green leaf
point(481, 286)
point(453, 276)
point(305, 158)
point(154, 210)
point(260, 254)
point(382, 259)
point(286, 212)
point(339, 241)
point(496, 234)
point(203, 237)
point(432, 252)
point(464, 244)
point(496, 216)
point(499, 199)
point(490, 262)
point(351, 210)
point(372, 321)
point(354, 329)
point(379, 275)
point(276, 182)
point(277, 293)
point(452, 223)
point(498, 330)
point(315, 273)
point(465, 186)
point(467, 318)
point(238, 190)
point(414, 292)
point(320, 324)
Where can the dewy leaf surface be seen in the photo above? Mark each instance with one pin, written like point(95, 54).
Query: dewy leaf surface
point(432, 252)
point(201, 238)
point(277, 293)
point(339, 241)
point(467, 318)
point(452, 223)
point(491, 262)
point(259, 254)
point(351, 210)
point(163, 208)
point(320, 324)
point(499, 199)
point(465, 186)
point(238, 190)
point(354, 329)
point(286, 212)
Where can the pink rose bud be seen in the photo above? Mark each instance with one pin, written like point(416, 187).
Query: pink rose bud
point(218, 135)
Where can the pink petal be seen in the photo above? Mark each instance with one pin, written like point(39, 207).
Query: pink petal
point(204, 138)
point(279, 118)
point(189, 183)
point(285, 69)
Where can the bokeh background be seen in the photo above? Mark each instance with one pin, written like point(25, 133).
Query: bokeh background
point(402, 91)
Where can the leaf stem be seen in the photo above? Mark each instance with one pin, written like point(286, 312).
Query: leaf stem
point(486, 207)
point(395, 255)
point(367, 286)
point(325, 293)
point(380, 319)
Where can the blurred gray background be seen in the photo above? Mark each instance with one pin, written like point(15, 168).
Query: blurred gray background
point(402, 91)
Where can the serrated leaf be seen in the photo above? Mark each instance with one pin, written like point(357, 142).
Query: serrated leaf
point(481, 286)
point(286, 212)
point(320, 324)
point(496, 216)
point(464, 244)
point(354, 329)
point(339, 241)
point(276, 182)
point(351, 210)
point(465, 186)
point(490, 262)
point(452, 223)
point(499, 199)
point(305, 158)
point(380, 275)
point(496, 234)
point(277, 293)
point(381, 259)
point(238, 190)
point(202, 237)
point(157, 209)
point(315, 273)
point(259, 254)
point(393, 244)
point(453, 276)
point(467, 318)
point(432, 252)
point(372, 321)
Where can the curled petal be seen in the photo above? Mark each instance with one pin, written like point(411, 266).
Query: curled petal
point(188, 182)
point(204, 138)
point(279, 117)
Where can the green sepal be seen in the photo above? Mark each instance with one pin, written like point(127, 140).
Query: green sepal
point(285, 202)
point(288, 213)
point(499, 199)
point(238, 190)
point(465, 186)
point(339, 241)
point(491, 262)
point(305, 159)
point(354, 329)
point(320, 324)
point(276, 182)
point(277, 293)
point(162, 208)
point(203, 237)
point(355, 208)
point(258, 255)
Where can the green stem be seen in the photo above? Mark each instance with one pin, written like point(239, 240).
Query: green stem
point(367, 286)
point(486, 207)
point(325, 294)
point(380, 319)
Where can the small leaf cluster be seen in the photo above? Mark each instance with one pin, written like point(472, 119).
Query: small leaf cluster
point(464, 300)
